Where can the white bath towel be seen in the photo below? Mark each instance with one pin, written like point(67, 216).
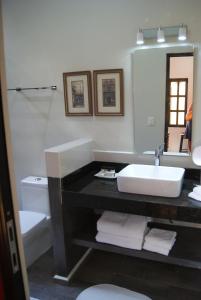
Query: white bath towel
point(122, 224)
point(119, 240)
point(158, 249)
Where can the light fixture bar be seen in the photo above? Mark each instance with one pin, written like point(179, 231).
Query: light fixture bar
point(178, 31)
point(151, 33)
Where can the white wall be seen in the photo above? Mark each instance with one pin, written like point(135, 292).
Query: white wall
point(44, 38)
point(64, 159)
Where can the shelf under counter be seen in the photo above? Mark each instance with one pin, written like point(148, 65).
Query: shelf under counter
point(186, 251)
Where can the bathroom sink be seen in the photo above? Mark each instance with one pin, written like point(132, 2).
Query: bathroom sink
point(151, 180)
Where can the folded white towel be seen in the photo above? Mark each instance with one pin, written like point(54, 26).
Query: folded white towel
point(122, 224)
point(196, 193)
point(160, 237)
point(156, 245)
point(197, 189)
point(119, 240)
point(158, 249)
point(195, 196)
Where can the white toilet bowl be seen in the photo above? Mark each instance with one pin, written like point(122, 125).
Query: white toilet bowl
point(35, 230)
point(35, 217)
point(110, 291)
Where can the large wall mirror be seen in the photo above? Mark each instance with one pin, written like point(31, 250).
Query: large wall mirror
point(163, 99)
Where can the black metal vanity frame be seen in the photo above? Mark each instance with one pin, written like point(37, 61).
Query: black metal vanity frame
point(78, 199)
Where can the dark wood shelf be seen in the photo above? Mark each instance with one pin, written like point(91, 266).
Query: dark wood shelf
point(82, 189)
point(185, 253)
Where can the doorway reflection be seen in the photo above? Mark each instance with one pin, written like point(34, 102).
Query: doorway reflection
point(179, 99)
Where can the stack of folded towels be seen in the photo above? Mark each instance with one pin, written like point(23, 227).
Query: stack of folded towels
point(120, 229)
point(160, 241)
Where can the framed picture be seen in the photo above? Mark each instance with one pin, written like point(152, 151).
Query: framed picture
point(108, 92)
point(77, 93)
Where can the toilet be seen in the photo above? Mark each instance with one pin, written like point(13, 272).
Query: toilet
point(35, 218)
point(110, 291)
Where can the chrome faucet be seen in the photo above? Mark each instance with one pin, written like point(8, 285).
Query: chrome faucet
point(158, 153)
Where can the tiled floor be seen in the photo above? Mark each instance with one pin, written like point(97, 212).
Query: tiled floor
point(156, 280)
point(44, 287)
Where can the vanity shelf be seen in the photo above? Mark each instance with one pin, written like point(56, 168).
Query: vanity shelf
point(84, 196)
point(185, 253)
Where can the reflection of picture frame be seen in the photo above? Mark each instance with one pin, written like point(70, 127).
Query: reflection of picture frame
point(77, 93)
point(108, 92)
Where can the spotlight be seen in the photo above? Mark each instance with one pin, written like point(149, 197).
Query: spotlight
point(182, 33)
point(140, 37)
point(160, 36)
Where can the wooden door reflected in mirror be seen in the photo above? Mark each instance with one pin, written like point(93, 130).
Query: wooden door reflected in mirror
point(179, 100)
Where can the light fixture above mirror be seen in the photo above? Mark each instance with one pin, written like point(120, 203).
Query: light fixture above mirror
point(182, 33)
point(160, 34)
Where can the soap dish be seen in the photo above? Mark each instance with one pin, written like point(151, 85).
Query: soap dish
point(104, 173)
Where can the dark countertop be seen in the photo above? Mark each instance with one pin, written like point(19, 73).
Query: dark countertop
point(83, 189)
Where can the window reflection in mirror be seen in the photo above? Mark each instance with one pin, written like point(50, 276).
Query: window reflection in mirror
point(179, 98)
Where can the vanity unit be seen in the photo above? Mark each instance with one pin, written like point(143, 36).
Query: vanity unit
point(84, 197)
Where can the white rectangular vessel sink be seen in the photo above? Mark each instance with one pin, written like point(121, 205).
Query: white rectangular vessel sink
point(151, 180)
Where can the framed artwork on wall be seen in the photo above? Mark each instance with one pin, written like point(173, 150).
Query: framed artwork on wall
point(108, 92)
point(78, 93)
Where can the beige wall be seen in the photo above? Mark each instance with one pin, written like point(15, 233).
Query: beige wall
point(182, 67)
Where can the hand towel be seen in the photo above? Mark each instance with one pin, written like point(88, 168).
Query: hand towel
point(119, 241)
point(195, 196)
point(122, 224)
point(155, 245)
point(196, 193)
point(197, 189)
point(160, 237)
point(158, 249)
